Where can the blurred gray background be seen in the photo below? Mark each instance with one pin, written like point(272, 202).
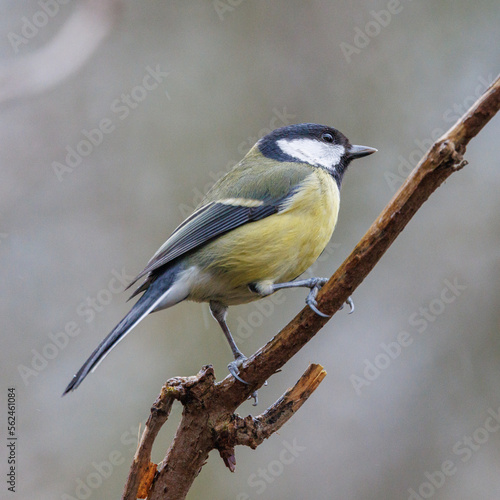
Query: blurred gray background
point(418, 420)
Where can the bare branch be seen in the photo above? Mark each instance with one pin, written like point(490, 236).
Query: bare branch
point(141, 466)
point(251, 431)
point(180, 388)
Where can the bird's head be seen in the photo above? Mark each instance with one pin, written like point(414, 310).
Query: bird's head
point(316, 145)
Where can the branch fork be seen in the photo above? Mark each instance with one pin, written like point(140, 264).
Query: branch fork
point(223, 429)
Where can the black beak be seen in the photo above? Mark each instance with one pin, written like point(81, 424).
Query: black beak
point(360, 151)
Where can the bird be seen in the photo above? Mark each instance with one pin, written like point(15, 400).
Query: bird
point(261, 225)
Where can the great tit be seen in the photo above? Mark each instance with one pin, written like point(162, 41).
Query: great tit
point(259, 227)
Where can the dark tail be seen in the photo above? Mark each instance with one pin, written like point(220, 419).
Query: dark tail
point(139, 311)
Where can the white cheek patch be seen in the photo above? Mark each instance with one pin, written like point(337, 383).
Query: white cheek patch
point(313, 152)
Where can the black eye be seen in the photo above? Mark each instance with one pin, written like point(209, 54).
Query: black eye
point(327, 137)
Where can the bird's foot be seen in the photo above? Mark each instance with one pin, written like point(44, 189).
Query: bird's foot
point(234, 370)
point(315, 285)
point(234, 367)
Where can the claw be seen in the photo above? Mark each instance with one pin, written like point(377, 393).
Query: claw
point(350, 303)
point(255, 396)
point(311, 297)
point(312, 305)
point(233, 368)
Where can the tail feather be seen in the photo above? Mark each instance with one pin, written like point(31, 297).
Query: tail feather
point(146, 304)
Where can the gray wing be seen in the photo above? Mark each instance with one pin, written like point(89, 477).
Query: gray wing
point(208, 222)
point(205, 224)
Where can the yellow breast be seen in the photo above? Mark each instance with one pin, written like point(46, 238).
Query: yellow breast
point(280, 247)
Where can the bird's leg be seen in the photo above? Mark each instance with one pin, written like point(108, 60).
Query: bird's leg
point(219, 312)
point(315, 285)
